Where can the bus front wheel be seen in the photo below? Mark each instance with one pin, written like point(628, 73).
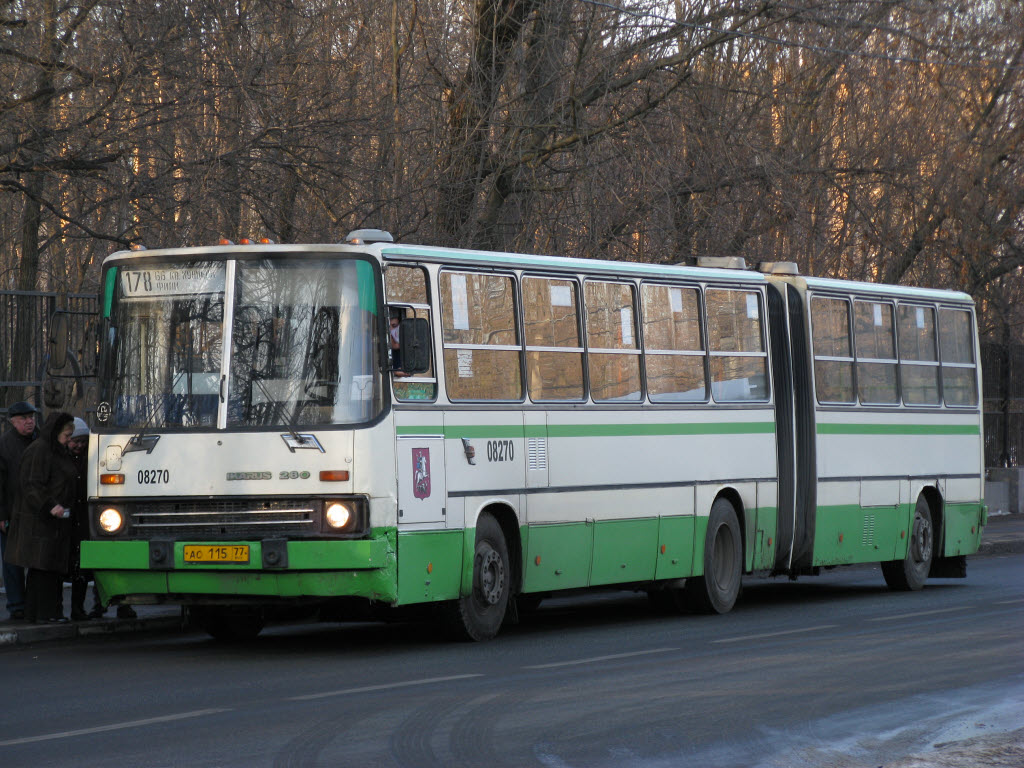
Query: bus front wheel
point(717, 589)
point(478, 615)
point(910, 573)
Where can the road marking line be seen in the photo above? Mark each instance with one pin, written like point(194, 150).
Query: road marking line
point(1010, 602)
point(918, 613)
point(113, 727)
point(775, 634)
point(382, 687)
point(594, 659)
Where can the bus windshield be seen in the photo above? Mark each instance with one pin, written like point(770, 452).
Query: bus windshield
point(302, 349)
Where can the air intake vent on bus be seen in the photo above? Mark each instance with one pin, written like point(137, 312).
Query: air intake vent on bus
point(366, 236)
point(778, 268)
point(722, 262)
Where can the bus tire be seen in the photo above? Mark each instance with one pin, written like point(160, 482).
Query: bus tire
point(478, 615)
point(910, 573)
point(717, 589)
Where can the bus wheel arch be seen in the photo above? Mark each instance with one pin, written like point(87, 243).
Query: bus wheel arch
point(717, 589)
point(910, 573)
point(506, 518)
point(733, 497)
point(934, 498)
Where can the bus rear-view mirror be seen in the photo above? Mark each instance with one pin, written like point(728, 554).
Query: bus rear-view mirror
point(414, 345)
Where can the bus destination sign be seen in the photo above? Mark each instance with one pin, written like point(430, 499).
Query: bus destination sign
point(137, 283)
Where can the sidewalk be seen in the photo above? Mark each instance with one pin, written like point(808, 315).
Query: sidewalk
point(149, 618)
point(1003, 535)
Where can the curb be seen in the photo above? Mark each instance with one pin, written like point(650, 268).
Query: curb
point(29, 634)
point(1000, 547)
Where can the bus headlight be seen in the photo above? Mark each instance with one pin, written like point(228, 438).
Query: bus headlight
point(110, 521)
point(337, 514)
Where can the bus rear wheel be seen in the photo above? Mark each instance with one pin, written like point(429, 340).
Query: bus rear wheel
point(910, 573)
point(717, 589)
point(478, 615)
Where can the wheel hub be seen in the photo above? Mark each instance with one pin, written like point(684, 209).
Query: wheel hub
point(492, 577)
point(921, 541)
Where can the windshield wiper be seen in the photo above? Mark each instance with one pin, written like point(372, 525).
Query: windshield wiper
point(140, 441)
point(290, 424)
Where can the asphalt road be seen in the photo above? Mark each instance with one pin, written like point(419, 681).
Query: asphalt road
point(832, 671)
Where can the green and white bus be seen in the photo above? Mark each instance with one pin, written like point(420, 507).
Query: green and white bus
point(328, 426)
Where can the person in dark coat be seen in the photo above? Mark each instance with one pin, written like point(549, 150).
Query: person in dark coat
point(12, 445)
point(40, 538)
point(78, 446)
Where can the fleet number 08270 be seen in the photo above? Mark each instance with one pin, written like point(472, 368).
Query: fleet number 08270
point(154, 476)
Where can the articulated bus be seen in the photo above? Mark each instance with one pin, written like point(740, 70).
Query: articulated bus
point(373, 424)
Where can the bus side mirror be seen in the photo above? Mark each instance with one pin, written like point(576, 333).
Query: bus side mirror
point(414, 345)
point(60, 333)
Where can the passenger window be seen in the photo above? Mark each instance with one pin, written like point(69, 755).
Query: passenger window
point(959, 372)
point(406, 285)
point(739, 362)
point(833, 353)
point(876, 353)
point(613, 354)
point(673, 344)
point(554, 350)
point(481, 344)
point(919, 367)
point(407, 297)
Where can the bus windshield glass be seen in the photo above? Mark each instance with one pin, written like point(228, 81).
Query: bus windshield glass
point(302, 349)
point(302, 346)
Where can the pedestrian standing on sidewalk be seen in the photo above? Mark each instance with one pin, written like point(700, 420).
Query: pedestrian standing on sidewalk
point(12, 445)
point(78, 445)
point(40, 537)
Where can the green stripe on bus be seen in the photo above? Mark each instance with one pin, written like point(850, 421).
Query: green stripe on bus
point(454, 432)
point(367, 287)
point(108, 290)
point(629, 430)
point(898, 429)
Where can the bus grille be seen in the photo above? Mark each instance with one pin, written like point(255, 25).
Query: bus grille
point(235, 519)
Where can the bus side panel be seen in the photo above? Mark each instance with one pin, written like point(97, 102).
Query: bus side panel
point(874, 513)
point(848, 533)
point(430, 565)
point(675, 547)
point(762, 542)
point(624, 550)
point(558, 556)
point(963, 529)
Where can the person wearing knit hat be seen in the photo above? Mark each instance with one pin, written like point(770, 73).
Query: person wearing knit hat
point(22, 415)
point(81, 430)
point(78, 446)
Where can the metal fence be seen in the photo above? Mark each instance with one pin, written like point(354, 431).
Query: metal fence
point(24, 347)
point(1002, 369)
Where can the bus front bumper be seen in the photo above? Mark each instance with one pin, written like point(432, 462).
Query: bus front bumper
point(316, 569)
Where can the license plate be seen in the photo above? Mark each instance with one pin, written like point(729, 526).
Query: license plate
point(216, 553)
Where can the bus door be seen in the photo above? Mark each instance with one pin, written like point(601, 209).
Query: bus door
point(421, 476)
point(795, 435)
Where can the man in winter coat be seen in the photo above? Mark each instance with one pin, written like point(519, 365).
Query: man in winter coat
point(40, 538)
point(12, 446)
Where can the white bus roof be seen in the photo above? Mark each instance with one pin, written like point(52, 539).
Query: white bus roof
point(504, 260)
point(564, 263)
point(889, 291)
